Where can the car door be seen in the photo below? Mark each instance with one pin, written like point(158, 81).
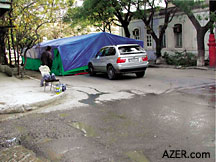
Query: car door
point(96, 60)
point(109, 58)
point(103, 60)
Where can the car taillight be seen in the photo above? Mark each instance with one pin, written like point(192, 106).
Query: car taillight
point(120, 60)
point(145, 58)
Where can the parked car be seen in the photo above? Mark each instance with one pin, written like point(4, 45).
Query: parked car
point(118, 59)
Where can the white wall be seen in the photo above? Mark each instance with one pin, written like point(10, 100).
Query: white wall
point(189, 42)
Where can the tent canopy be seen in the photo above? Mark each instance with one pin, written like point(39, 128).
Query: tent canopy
point(76, 52)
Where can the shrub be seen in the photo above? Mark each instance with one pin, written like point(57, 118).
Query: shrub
point(180, 59)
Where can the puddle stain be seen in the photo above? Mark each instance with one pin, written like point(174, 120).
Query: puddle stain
point(87, 130)
point(207, 92)
point(112, 115)
point(137, 156)
point(91, 98)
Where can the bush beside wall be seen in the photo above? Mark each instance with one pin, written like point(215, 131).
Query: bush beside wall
point(180, 59)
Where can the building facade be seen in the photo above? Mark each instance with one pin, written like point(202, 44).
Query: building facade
point(180, 35)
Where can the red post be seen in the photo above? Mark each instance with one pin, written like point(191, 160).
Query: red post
point(212, 51)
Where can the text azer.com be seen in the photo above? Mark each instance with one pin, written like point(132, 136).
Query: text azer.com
point(184, 154)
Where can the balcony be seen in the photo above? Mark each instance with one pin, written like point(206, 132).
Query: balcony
point(5, 6)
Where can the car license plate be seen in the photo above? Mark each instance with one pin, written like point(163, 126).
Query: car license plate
point(133, 60)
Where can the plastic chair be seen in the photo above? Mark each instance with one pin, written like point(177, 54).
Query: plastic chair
point(45, 71)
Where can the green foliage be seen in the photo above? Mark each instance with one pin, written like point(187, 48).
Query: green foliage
point(92, 12)
point(100, 13)
point(187, 5)
point(213, 16)
point(70, 3)
point(30, 16)
point(76, 16)
point(31, 19)
point(180, 58)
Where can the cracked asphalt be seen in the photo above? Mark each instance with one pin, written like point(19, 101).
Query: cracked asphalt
point(125, 120)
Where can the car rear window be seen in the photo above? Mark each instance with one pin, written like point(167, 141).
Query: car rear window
point(127, 50)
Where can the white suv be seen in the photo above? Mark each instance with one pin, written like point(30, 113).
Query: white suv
point(117, 59)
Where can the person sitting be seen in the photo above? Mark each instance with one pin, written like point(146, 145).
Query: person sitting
point(45, 72)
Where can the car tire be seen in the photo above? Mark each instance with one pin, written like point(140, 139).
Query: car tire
point(111, 73)
point(140, 74)
point(91, 70)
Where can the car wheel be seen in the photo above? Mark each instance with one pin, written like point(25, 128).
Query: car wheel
point(140, 74)
point(111, 72)
point(91, 70)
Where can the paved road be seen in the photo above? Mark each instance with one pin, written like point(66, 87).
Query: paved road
point(124, 120)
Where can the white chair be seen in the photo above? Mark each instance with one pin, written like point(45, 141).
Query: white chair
point(46, 71)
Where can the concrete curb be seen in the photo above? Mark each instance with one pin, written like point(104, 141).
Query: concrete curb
point(180, 67)
point(21, 108)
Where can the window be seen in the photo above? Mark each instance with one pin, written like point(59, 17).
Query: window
point(136, 33)
point(111, 51)
point(100, 53)
point(178, 38)
point(105, 52)
point(149, 40)
point(127, 50)
point(178, 35)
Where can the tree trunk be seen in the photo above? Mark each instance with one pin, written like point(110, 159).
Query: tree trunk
point(25, 62)
point(3, 58)
point(126, 31)
point(159, 59)
point(18, 69)
point(12, 37)
point(9, 50)
point(201, 48)
point(12, 41)
point(158, 48)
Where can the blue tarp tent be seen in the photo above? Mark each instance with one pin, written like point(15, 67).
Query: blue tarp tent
point(73, 53)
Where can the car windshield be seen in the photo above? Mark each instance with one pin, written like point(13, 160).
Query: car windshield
point(126, 50)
